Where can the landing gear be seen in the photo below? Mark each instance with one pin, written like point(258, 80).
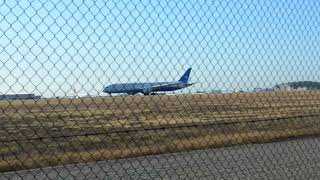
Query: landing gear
point(147, 94)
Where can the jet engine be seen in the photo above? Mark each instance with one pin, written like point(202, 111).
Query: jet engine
point(147, 90)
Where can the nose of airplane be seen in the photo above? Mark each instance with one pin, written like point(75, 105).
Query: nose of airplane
point(106, 89)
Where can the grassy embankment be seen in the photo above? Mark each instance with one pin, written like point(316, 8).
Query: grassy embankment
point(91, 129)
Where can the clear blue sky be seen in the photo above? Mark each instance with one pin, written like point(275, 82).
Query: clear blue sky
point(46, 47)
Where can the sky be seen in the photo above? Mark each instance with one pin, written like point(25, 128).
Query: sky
point(56, 48)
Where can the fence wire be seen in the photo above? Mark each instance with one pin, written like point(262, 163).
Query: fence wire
point(118, 89)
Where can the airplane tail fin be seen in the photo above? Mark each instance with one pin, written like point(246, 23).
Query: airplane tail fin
point(185, 76)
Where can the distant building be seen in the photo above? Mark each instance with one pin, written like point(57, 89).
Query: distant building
point(257, 90)
point(200, 91)
point(262, 89)
point(18, 96)
point(299, 85)
point(216, 91)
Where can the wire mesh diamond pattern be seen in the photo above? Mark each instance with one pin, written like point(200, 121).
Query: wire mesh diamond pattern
point(118, 89)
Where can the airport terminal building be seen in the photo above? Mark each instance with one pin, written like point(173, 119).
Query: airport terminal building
point(18, 96)
point(299, 85)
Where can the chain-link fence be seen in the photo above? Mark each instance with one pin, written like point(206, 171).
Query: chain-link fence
point(119, 89)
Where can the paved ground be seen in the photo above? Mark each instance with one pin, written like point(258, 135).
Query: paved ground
point(293, 159)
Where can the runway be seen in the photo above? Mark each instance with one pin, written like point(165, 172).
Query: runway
point(291, 159)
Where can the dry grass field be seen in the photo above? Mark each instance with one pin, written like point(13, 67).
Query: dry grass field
point(39, 133)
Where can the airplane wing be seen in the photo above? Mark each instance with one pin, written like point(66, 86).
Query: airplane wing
point(149, 89)
point(158, 87)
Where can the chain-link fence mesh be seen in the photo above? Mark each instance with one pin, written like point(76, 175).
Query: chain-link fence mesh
point(76, 102)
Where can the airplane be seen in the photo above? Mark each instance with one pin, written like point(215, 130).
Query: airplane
point(149, 88)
